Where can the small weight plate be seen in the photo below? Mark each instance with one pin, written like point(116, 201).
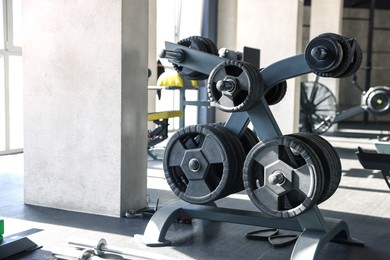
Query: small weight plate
point(357, 58)
point(246, 86)
point(331, 57)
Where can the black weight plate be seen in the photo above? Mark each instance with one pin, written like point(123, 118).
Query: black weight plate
point(333, 54)
point(193, 42)
point(248, 140)
point(336, 169)
point(329, 159)
point(258, 90)
point(301, 172)
point(210, 45)
point(235, 162)
point(357, 58)
point(276, 93)
point(237, 150)
point(248, 86)
point(197, 164)
point(346, 56)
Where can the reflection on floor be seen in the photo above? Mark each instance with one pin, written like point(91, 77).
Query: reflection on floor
point(362, 200)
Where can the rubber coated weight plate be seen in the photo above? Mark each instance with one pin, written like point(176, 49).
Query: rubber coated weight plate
point(276, 94)
point(347, 56)
point(329, 55)
point(197, 164)
point(237, 150)
point(329, 159)
point(210, 45)
point(248, 140)
point(235, 86)
point(357, 58)
point(335, 168)
point(283, 176)
point(323, 54)
point(193, 42)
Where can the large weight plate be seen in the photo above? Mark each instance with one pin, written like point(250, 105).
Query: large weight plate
point(198, 164)
point(329, 159)
point(283, 177)
point(238, 151)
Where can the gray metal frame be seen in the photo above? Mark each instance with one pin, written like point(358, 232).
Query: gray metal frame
point(316, 230)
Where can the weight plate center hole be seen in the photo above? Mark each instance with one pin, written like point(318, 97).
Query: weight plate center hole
point(276, 178)
point(194, 165)
point(227, 85)
point(319, 53)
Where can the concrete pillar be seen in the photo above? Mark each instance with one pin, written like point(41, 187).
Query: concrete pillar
point(326, 16)
point(274, 27)
point(85, 101)
point(227, 37)
point(152, 58)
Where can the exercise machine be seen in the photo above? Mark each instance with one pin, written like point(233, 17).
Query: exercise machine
point(318, 111)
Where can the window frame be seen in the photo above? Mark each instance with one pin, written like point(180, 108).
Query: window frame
point(9, 50)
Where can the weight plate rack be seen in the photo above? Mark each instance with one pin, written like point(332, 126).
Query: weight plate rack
point(329, 55)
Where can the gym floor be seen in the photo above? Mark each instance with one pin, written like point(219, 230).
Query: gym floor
point(362, 201)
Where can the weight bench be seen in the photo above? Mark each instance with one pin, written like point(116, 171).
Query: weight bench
point(160, 133)
point(173, 81)
point(375, 161)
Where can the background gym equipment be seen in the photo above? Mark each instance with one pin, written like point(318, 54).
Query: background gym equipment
point(1, 229)
point(17, 243)
point(160, 119)
point(284, 176)
point(84, 250)
point(160, 133)
point(318, 110)
point(376, 161)
point(172, 80)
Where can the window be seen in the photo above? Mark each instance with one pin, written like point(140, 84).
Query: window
point(11, 78)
